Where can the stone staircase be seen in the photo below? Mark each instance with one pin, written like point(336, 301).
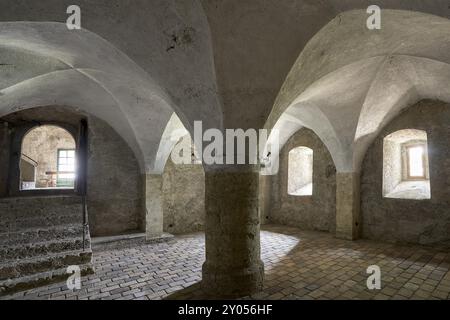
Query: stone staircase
point(39, 238)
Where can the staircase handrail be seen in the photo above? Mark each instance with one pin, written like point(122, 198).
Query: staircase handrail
point(33, 162)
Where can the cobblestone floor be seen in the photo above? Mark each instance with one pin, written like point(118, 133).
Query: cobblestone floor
point(299, 265)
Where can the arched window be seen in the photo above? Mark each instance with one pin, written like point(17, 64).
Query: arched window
point(406, 173)
point(48, 159)
point(300, 172)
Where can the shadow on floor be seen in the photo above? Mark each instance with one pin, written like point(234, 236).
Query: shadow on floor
point(193, 292)
point(307, 265)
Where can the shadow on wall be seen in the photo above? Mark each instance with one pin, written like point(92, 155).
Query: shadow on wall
point(307, 212)
point(422, 221)
point(115, 184)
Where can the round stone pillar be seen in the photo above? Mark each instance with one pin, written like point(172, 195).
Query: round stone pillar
point(233, 267)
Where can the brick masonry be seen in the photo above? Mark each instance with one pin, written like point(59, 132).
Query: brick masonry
point(298, 265)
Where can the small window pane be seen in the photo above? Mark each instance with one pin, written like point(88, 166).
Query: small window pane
point(416, 162)
point(66, 176)
point(66, 168)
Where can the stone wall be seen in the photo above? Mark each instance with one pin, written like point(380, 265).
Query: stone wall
point(115, 184)
point(392, 165)
point(183, 198)
point(316, 212)
point(406, 220)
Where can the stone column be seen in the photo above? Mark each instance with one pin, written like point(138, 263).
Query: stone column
point(348, 205)
point(153, 204)
point(233, 267)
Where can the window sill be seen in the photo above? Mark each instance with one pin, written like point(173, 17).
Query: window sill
point(413, 190)
point(44, 192)
point(305, 191)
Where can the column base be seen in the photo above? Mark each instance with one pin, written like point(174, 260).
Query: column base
point(157, 238)
point(232, 283)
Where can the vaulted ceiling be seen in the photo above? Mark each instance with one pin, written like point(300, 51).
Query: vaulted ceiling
point(229, 63)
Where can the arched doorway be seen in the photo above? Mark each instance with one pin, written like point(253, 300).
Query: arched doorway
point(48, 159)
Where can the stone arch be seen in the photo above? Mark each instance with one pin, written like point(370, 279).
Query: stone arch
point(355, 85)
point(359, 83)
point(40, 148)
point(312, 211)
point(114, 202)
point(298, 116)
point(85, 70)
point(22, 123)
point(173, 133)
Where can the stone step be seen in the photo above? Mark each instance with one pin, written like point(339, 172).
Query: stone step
point(17, 225)
point(11, 286)
point(28, 266)
point(26, 236)
point(33, 249)
point(39, 238)
point(23, 208)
